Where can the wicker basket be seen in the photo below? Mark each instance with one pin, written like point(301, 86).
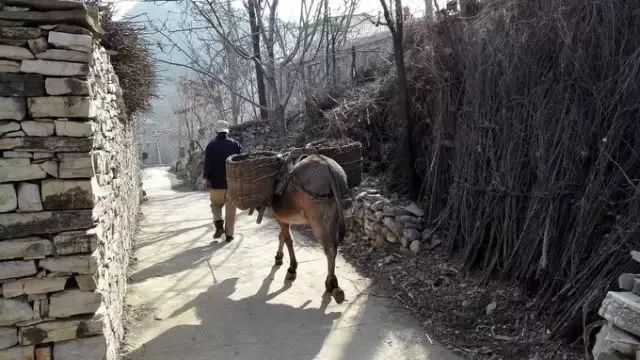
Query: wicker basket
point(251, 178)
point(347, 154)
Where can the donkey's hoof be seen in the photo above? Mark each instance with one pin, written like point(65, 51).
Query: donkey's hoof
point(338, 295)
point(291, 275)
point(278, 261)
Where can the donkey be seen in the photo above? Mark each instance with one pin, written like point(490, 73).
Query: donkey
point(311, 194)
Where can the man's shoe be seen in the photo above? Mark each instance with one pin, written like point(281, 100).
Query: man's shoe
point(229, 238)
point(219, 229)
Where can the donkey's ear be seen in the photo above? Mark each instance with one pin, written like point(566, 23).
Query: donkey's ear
point(301, 157)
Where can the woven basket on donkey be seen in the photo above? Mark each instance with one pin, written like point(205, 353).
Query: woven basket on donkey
point(346, 153)
point(251, 178)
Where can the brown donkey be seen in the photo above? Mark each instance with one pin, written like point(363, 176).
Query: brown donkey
point(312, 195)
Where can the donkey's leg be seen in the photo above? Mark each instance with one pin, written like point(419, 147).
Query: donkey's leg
point(325, 229)
point(281, 237)
point(288, 240)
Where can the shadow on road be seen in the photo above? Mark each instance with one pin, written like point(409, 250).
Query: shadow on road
point(182, 261)
point(235, 328)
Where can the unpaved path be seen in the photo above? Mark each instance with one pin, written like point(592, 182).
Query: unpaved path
point(194, 299)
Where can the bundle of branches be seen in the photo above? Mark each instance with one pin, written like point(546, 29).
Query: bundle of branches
point(546, 163)
point(435, 69)
point(362, 115)
point(133, 60)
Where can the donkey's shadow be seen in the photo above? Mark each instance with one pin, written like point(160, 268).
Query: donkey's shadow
point(249, 328)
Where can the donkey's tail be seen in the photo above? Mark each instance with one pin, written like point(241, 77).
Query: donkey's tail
point(337, 196)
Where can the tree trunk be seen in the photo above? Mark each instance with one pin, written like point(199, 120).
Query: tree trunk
point(255, 41)
point(403, 106)
point(334, 66)
point(428, 9)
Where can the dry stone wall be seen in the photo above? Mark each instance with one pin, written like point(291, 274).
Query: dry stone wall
point(378, 219)
point(69, 185)
point(619, 337)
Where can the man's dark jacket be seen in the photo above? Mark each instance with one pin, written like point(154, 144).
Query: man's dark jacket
point(215, 155)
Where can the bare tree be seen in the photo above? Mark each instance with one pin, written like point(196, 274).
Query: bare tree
point(275, 52)
point(393, 14)
point(252, 7)
point(336, 29)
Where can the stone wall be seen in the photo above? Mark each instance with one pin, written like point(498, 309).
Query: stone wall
point(69, 185)
point(379, 219)
point(619, 337)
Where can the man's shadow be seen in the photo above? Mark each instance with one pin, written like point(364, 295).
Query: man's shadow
point(248, 328)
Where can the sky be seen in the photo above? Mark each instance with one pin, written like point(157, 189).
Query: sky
point(289, 9)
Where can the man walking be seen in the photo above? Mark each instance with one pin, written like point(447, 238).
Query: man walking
point(215, 174)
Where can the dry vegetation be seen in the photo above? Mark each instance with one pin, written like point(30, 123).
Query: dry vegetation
point(526, 120)
point(133, 60)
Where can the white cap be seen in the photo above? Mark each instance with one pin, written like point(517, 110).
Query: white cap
point(222, 126)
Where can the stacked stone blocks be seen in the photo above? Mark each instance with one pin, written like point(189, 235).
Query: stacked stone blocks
point(68, 185)
point(381, 220)
point(619, 338)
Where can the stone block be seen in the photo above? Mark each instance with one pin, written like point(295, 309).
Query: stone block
point(67, 194)
point(50, 167)
point(21, 85)
point(92, 348)
point(613, 344)
point(65, 55)
point(8, 198)
point(67, 86)
point(625, 281)
point(86, 282)
point(11, 52)
point(37, 128)
point(44, 307)
point(414, 209)
point(47, 144)
point(72, 29)
point(622, 309)
point(62, 40)
point(61, 106)
point(18, 353)
point(15, 134)
point(412, 234)
point(33, 286)
point(12, 108)
point(8, 126)
point(48, 4)
point(73, 302)
point(17, 269)
point(73, 128)
point(404, 241)
point(9, 66)
point(25, 248)
point(54, 68)
point(15, 225)
point(415, 247)
point(11, 23)
point(44, 353)
point(54, 331)
point(29, 197)
point(17, 154)
point(38, 45)
point(19, 34)
point(390, 224)
point(79, 264)
point(14, 310)
point(42, 155)
point(74, 16)
point(8, 337)
point(19, 170)
point(75, 165)
point(75, 242)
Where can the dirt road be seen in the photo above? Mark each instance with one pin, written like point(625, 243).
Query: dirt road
point(194, 299)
